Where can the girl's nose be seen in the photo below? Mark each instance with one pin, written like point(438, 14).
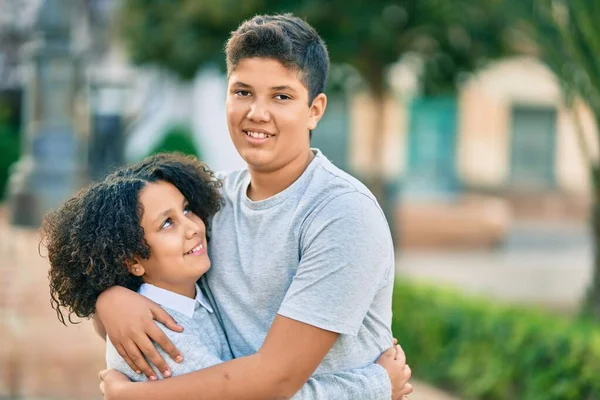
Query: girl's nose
point(192, 229)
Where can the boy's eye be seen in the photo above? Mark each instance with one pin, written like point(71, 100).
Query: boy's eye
point(282, 97)
point(242, 93)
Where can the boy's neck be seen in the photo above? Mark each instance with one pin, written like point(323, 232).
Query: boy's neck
point(267, 184)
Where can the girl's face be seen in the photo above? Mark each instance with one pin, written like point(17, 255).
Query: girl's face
point(177, 240)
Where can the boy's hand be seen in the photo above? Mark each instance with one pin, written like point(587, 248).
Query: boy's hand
point(128, 319)
point(394, 362)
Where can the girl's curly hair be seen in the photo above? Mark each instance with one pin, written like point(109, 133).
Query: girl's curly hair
point(91, 237)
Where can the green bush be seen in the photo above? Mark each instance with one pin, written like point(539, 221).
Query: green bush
point(9, 153)
point(177, 138)
point(481, 350)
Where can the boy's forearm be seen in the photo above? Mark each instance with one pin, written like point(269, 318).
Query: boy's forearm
point(99, 327)
point(242, 378)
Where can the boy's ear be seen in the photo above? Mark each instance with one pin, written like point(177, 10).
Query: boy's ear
point(317, 109)
point(135, 268)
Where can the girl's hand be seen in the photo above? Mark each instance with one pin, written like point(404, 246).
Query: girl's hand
point(394, 362)
point(129, 321)
point(112, 383)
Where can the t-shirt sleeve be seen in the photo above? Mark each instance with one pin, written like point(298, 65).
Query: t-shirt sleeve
point(346, 256)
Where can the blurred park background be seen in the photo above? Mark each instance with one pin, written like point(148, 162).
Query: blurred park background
point(476, 124)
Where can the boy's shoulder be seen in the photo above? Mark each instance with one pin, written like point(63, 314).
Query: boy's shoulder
point(321, 182)
point(232, 180)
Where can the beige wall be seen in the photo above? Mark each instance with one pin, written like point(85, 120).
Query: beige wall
point(363, 114)
point(485, 124)
point(484, 127)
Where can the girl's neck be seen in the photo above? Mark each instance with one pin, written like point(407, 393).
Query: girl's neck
point(188, 290)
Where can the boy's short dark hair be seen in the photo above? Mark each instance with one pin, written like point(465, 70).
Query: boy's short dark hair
point(287, 39)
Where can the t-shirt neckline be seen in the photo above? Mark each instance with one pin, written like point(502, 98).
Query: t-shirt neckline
point(284, 194)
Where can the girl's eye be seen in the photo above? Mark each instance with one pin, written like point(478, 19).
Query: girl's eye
point(168, 222)
point(186, 210)
point(242, 93)
point(282, 97)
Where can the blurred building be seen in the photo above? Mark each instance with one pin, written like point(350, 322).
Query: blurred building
point(505, 148)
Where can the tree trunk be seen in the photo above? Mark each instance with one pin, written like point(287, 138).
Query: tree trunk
point(591, 306)
point(592, 301)
point(376, 180)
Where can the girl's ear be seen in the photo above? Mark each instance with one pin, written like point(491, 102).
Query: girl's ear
point(135, 268)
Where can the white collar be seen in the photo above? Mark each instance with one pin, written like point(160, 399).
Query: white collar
point(173, 300)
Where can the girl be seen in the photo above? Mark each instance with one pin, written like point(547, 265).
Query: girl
point(143, 227)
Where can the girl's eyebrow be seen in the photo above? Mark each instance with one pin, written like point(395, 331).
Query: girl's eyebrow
point(162, 215)
point(169, 211)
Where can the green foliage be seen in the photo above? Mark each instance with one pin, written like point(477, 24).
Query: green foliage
point(481, 350)
point(178, 138)
point(454, 37)
point(9, 150)
point(180, 36)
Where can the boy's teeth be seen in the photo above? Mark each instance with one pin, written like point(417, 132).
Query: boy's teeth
point(258, 135)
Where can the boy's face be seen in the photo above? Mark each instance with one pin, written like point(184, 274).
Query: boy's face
point(176, 237)
point(268, 115)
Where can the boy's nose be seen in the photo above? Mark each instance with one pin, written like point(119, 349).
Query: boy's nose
point(258, 112)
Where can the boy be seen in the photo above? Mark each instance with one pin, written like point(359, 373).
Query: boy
point(303, 259)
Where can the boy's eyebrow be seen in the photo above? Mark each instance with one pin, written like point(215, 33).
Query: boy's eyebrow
point(283, 87)
point(276, 88)
point(241, 84)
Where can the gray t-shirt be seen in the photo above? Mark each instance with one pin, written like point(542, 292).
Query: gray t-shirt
point(319, 252)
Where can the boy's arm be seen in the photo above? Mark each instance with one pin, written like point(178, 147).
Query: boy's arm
point(291, 353)
point(128, 319)
point(99, 328)
point(369, 383)
point(199, 356)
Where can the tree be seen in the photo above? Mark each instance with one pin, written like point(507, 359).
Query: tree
point(566, 34)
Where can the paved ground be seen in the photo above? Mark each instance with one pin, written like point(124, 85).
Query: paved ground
point(548, 264)
point(40, 358)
